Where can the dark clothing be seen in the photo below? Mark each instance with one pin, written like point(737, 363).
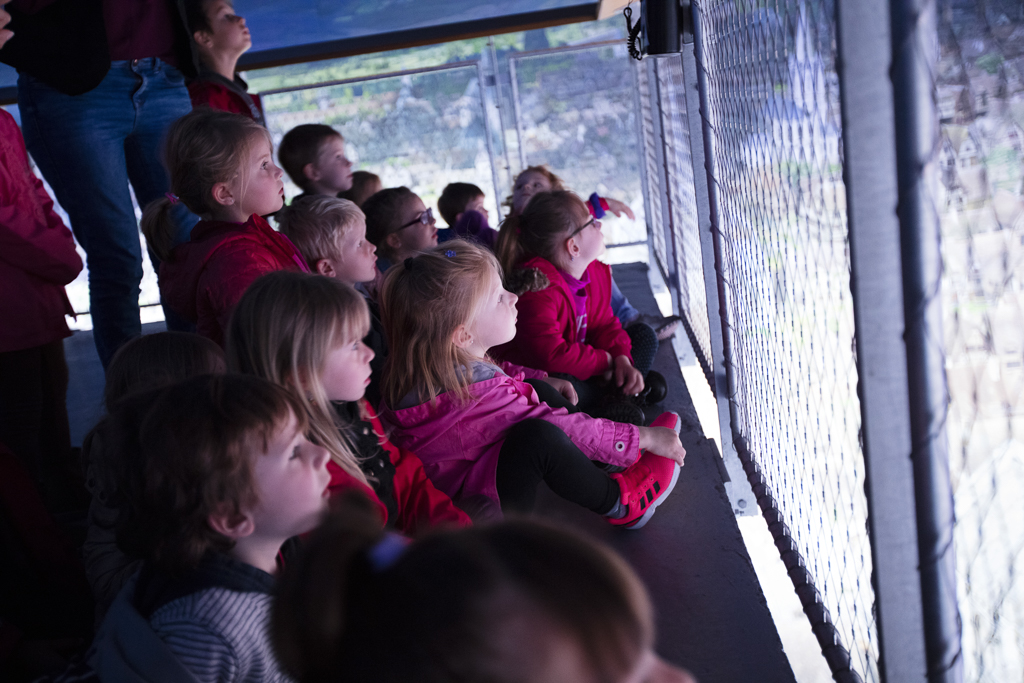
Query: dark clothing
point(210, 89)
point(378, 343)
point(472, 226)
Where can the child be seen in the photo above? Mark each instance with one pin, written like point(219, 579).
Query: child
point(147, 362)
point(400, 224)
point(515, 602)
point(331, 234)
point(220, 37)
point(222, 168)
point(462, 206)
point(217, 474)
point(537, 179)
point(314, 157)
point(364, 186)
point(550, 254)
point(302, 332)
point(484, 437)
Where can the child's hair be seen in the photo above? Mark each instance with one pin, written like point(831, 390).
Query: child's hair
point(317, 225)
point(556, 182)
point(155, 360)
point(182, 453)
point(423, 301)
point(195, 16)
point(539, 230)
point(300, 146)
point(384, 216)
point(203, 148)
point(454, 198)
point(358, 606)
point(282, 330)
point(364, 186)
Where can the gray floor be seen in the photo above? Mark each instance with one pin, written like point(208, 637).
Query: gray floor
point(712, 616)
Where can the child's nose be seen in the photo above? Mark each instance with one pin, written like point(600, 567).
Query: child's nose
point(320, 457)
point(513, 298)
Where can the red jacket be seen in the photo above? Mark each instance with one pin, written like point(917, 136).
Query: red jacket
point(420, 505)
point(205, 277)
point(217, 92)
point(546, 326)
point(37, 252)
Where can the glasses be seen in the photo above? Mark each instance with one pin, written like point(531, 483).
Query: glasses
point(426, 218)
point(584, 227)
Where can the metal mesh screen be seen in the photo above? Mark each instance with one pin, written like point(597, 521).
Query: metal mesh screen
point(979, 86)
point(773, 109)
point(653, 175)
point(693, 302)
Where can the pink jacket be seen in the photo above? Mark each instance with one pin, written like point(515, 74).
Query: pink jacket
point(459, 444)
point(37, 252)
point(546, 327)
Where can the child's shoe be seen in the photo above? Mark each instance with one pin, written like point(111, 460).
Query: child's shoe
point(647, 483)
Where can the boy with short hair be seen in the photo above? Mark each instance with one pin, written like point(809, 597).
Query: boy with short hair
point(216, 475)
point(462, 207)
point(313, 155)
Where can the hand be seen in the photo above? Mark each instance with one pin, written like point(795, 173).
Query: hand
point(619, 208)
point(662, 441)
point(627, 377)
point(564, 387)
point(5, 18)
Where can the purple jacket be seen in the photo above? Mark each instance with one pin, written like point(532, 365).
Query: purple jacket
point(459, 444)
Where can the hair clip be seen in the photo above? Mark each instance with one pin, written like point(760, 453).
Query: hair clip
point(171, 197)
point(409, 262)
point(450, 253)
point(385, 552)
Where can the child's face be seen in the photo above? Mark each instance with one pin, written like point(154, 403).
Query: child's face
point(477, 204)
point(347, 371)
point(417, 236)
point(357, 257)
point(292, 480)
point(495, 320)
point(228, 33)
point(590, 239)
point(527, 185)
point(332, 170)
point(261, 190)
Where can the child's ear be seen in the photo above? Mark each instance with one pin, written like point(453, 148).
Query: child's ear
point(461, 337)
point(459, 216)
point(325, 267)
point(394, 241)
point(571, 248)
point(203, 39)
point(232, 523)
point(311, 172)
point(222, 194)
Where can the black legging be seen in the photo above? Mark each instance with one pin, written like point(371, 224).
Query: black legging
point(536, 451)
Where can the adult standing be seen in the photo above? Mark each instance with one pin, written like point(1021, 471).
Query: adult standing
point(99, 83)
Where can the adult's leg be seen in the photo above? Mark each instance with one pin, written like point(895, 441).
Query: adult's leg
point(536, 451)
point(78, 144)
point(159, 101)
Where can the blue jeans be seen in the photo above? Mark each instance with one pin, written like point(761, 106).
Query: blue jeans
point(89, 147)
point(621, 307)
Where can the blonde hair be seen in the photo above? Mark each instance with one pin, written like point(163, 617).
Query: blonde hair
point(203, 148)
point(318, 224)
point(423, 300)
point(540, 229)
point(282, 330)
point(556, 182)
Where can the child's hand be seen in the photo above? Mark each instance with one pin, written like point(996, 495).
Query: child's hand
point(5, 18)
point(627, 377)
point(619, 208)
point(662, 441)
point(564, 387)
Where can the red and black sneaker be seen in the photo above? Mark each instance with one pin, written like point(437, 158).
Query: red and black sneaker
point(646, 483)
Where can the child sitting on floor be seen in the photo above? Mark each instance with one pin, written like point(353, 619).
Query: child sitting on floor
point(217, 474)
point(518, 602)
point(302, 332)
point(484, 436)
point(462, 206)
point(331, 234)
point(313, 154)
point(400, 224)
point(222, 168)
point(220, 37)
point(549, 253)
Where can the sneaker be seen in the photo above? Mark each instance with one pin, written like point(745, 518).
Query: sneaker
point(646, 484)
point(622, 410)
point(655, 389)
point(663, 327)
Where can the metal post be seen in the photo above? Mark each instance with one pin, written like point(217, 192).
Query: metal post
point(865, 53)
point(740, 493)
point(501, 118)
point(915, 56)
point(515, 110)
point(490, 143)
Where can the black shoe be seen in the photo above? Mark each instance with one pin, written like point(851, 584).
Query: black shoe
point(655, 389)
point(622, 410)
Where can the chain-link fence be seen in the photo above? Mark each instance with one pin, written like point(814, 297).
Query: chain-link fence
point(979, 86)
point(773, 111)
